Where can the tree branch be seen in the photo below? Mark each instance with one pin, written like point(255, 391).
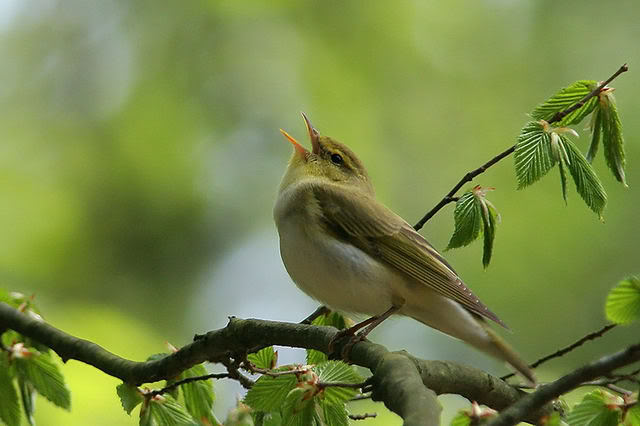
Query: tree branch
point(449, 198)
point(401, 381)
point(521, 409)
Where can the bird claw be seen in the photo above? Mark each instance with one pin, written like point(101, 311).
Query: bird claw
point(346, 349)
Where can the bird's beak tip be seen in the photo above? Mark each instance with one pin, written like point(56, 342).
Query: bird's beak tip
point(313, 133)
point(296, 145)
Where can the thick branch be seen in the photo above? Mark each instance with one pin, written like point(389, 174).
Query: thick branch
point(472, 174)
point(519, 411)
point(401, 381)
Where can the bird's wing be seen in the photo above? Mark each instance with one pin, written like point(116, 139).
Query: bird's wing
point(362, 221)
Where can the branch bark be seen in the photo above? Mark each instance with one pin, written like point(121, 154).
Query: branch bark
point(407, 385)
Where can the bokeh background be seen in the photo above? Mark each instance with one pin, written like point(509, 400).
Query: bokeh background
point(140, 157)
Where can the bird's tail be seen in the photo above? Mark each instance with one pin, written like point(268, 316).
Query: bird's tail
point(500, 349)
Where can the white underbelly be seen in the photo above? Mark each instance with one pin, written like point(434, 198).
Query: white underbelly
point(338, 275)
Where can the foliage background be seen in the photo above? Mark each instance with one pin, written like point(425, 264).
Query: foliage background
point(140, 156)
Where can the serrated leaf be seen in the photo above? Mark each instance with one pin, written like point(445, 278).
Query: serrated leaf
point(28, 398)
point(334, 414)
point(587, 183)
point(130, 396)
point(297, 410)
point(9, 405)
point(41, 371)
point(533, 155)
point(596, 131)
point(489, 231)
point(461, 419)
point(265, 358)
point(337, 372)
point(163, 410)
point(198, 395)
point(612, 139)
point(623, 301)
point(595, 409)
point(269, 393)
point(468, 221)
point(565, 98)
point(315, 357)
point(562, 167)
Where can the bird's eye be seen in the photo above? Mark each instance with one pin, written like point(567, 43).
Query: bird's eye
point(337, 159)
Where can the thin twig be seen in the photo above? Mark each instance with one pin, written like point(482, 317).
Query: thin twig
point(362, 416)
point(609, 385)
point(567, 349)
point(189, 380)
point(449, 198)
point(360, 397)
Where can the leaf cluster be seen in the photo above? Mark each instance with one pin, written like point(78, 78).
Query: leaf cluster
point(26, 369)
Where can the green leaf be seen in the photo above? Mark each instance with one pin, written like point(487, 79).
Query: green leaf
point(562, 166)
point(489, 220)
point(587, 183)
point(564, 99)
point(623, 301)
point(41, 371)
point(297, 410)
point(333, 319)
point(554, 420)
point(198, 395)
point(241, 415)
point(334, 414)
point(632, 418)
point(28, 398)
point(597, 408)
point(266, 419)
point(9, 405)
point(461, 419)
point(265, 358)
point(612, 139)
point(337, 372)
point(468, 221)
point(268, 393)
point(596, 131)
point(163, 410)
point(130, 396)
point(533, 155)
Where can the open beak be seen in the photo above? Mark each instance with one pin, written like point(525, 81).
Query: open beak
point(313, 134)
point(299, 148)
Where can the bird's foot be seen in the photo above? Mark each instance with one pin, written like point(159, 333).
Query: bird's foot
point(352, 337)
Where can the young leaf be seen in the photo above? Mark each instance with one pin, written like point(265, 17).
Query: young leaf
point(564, 99)
point(468, 221)
point(533, 155)
point(334, 413)
point(130, 396)
point(28, 398)
point(632, 418)
point(597, 408)
point(9, 405)
point(587, 183)
point(489, 221)
point(198, 395)
point(242, 415)
point(265, 358)
point(337, 372)
point(41, 371)
point(297, 410)
point(461, 419)
point(268, 393)
point(333, 319)
point(596, 131)
point(623, 301)
point(612, 139)
point(164, 410)
point(562, 166)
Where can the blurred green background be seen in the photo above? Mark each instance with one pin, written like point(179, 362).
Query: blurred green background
point(140, 157)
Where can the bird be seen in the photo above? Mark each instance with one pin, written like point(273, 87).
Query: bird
point(347, 250)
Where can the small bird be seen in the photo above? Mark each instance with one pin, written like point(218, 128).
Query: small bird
point(348, 251)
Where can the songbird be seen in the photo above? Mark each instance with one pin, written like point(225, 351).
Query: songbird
point(348, 251)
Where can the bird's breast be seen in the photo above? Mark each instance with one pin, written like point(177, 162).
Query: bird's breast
point(334, 272)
